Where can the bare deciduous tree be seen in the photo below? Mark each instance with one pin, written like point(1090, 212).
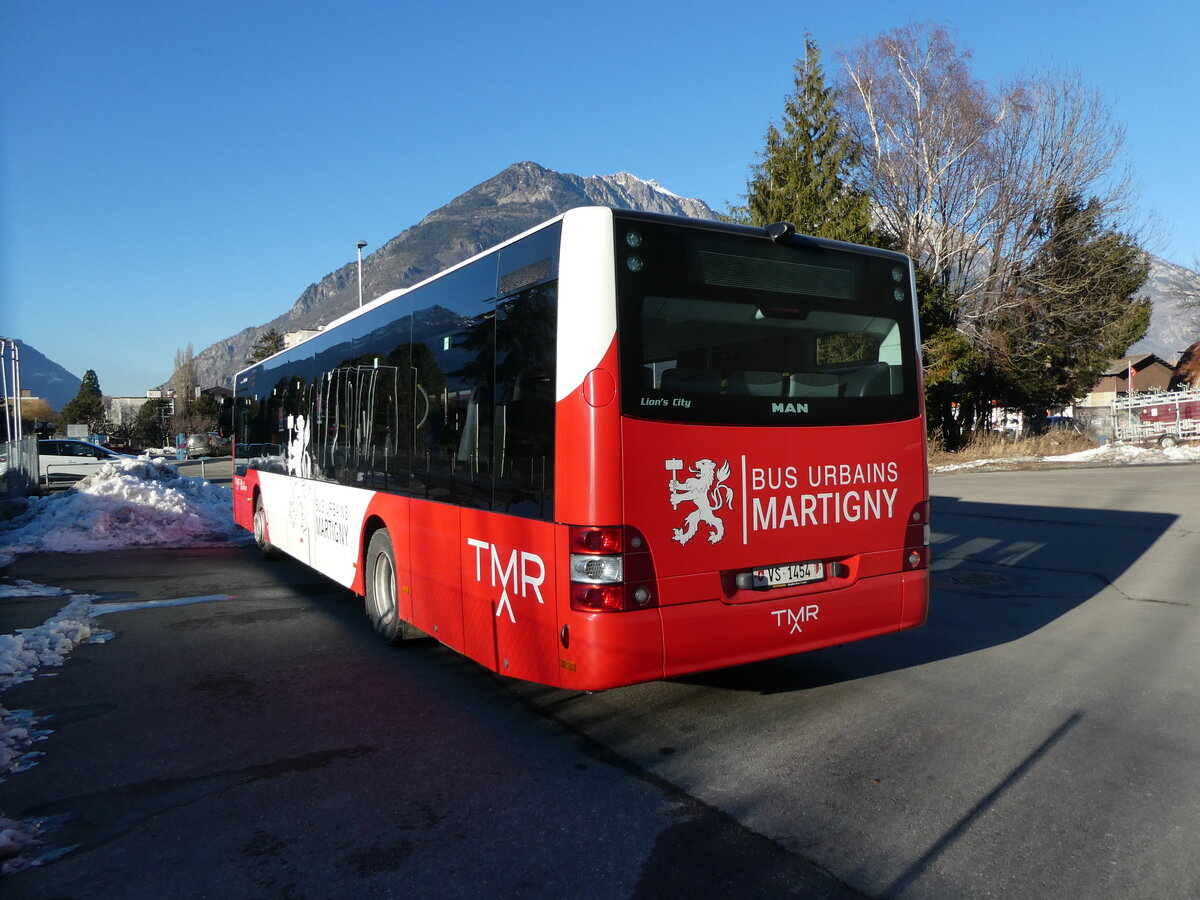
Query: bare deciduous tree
point(184, 383)
point(924, 123)
point(971, 182)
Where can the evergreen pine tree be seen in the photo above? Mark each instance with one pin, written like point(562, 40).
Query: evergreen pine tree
point(87, 407)
point(267, 344)
point(1079, 309)
point(150, 426)
point(804, 174)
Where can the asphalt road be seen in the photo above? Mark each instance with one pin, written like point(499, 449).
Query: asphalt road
point(1039, 737)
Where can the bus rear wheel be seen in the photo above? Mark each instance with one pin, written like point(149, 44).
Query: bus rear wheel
point(382, 603)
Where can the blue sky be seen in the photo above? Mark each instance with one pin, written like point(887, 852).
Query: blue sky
point(172, 173)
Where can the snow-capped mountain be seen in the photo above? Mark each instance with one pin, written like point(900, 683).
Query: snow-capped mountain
point(520, 197)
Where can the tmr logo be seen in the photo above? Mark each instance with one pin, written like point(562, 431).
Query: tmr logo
point(789, 407)
point(792, 619)
point(523, 574)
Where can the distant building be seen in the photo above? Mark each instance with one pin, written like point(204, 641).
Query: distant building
point(123, 410)
point(36, 414)
point(292, 338)
point(1149, 373)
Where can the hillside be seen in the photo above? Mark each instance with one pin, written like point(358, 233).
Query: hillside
point(520, 197)
point(44, 378)
point(1175, 320)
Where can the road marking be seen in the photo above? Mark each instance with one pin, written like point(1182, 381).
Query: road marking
point(100, 608)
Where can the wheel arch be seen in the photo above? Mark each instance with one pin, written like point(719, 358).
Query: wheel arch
point(373, 523)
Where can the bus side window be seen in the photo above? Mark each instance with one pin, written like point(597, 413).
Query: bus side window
point(523, 460)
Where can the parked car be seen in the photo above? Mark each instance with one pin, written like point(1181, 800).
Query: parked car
point(63, 462)
point(197, 445)
point(206, 444)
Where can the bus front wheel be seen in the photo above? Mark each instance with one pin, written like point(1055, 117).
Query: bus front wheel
point(382, 603)
point(265, 547)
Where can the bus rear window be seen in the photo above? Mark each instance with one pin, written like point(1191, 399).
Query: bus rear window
point(732, 329)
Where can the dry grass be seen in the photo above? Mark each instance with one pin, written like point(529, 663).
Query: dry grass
point(995, 446)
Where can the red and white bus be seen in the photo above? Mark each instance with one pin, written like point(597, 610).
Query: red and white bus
point(616, 448)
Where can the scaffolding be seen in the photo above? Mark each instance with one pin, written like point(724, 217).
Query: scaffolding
point(1161, 417)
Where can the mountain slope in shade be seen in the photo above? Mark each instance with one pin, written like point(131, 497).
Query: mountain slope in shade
point(45, 378)
point(520, 197)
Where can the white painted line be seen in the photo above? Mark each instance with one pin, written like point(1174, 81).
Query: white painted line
point(100, 608)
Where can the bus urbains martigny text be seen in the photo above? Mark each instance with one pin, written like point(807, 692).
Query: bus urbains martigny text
point(616, 448)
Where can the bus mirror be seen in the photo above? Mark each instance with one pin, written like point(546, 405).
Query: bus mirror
point(780, 231)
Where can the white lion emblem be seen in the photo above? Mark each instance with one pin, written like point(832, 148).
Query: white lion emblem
point(708, 491)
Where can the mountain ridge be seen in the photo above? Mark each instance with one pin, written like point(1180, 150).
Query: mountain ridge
point(45, 378)
point(520, 197)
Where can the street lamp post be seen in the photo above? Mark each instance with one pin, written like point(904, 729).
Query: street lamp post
point(361, 244)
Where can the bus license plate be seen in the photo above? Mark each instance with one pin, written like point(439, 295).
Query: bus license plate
point(789, 575)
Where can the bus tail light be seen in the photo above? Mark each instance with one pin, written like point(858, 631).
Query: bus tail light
point(598, 571)
point(605, 539)
point(597, 597)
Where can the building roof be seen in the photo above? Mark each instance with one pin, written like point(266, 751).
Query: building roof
point(1138, 361)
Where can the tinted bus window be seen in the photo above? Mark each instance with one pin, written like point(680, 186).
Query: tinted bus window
point(726, 328)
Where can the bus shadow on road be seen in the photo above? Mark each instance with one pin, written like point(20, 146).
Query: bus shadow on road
point(999, 572)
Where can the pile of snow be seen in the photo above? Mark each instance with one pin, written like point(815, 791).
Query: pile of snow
point(1109, 454)
point(131, 503)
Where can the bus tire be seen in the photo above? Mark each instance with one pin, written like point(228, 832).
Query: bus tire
point(265, 547)
point(381, 599)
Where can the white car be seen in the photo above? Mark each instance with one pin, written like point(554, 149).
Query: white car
point(63, 462)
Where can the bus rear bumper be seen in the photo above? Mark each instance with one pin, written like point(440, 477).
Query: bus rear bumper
point(714, 634)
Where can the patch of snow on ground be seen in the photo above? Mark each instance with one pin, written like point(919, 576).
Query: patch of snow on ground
point(1131, 455)
point(21, 655)
point(132, 503)
point(1108, 454)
